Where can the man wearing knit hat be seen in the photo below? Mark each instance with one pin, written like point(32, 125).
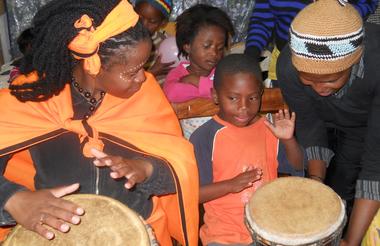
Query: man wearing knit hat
point(330, 76)
point(154, 14)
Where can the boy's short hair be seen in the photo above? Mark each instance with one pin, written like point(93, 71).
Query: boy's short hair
point(236, 63)
point(164, 6)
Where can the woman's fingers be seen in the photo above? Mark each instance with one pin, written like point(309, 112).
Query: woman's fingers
point(98, 154)
point(43, 231)
point(64, 190)
point(131, 181)
point(54, 222)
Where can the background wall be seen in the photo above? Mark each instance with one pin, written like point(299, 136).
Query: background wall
point(21, 12)
point(5, 55)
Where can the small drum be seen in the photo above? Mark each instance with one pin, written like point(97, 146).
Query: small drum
point(106, 222)
point(295, 211)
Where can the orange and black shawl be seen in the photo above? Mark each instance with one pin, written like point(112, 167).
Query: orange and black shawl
point(146, 120)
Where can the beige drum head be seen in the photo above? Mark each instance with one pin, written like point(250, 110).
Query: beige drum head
point(105, 222)
point(295, 211)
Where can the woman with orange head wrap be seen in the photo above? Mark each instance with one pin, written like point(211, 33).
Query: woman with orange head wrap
point(94, 122)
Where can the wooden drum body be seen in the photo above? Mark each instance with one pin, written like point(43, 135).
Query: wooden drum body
point(106, 222)
point(295, 211)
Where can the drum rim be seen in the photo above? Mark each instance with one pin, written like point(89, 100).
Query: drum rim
point(298, 241)
point(148, 241)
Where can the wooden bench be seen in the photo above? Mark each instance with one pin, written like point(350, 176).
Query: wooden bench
point(272, 101)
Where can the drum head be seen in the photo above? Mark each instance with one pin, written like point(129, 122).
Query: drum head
point(295, 211)
point(105, 222)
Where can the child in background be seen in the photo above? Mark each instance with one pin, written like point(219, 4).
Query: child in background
point(24, 42)
point(154, 14)
point(202, 34)
point(237, 151)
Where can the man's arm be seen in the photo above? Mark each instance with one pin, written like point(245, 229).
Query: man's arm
point(310, 129)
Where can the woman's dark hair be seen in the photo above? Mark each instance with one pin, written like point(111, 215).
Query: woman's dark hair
point(53, 30)
point(193, 19)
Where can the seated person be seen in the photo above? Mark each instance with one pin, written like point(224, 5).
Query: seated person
point(154, 15)
point(202, 34)
point(237, 151)
point(94, 124)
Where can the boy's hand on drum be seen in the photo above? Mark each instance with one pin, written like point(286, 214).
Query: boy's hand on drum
point(245, 179)
point(191, 79)
point(283, 124)
point(161, 68)
point(135, 170)
point(33, 209)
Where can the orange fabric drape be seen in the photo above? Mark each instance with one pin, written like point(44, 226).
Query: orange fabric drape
point(145, 120)
point(120, 19)
point(21, 171)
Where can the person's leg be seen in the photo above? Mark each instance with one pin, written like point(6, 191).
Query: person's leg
point(345, 166)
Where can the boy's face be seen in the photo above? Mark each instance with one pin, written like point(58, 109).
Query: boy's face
point(239, 98)
point(151, 17)
point(325, 84)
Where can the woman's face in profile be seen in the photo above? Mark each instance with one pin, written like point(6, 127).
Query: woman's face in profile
point(124, 80)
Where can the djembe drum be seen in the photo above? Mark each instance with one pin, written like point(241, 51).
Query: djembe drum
point(106, 222)
point(295, 211)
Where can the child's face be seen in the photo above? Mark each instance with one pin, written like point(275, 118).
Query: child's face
point(239, 98)
point(325, 84)
point(151, 17)
point(124, 80)
point(207, 48)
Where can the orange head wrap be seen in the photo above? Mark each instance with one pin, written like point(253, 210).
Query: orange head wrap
point(86, 44)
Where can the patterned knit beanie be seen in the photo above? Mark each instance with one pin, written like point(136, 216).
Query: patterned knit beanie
point(164, 6)
point(326, 37)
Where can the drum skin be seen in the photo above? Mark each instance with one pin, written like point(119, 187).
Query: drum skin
point(295, 211)
point(105, 222)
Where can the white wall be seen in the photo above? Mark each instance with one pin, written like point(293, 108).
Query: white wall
point(4, 35)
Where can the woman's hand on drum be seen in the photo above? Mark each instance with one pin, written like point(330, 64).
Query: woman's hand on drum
point(283, 124)
point(245, 179)
point(33, 209)
point(135, 170)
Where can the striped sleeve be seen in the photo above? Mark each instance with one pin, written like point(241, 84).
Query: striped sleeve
point(367, 189)
point(365, 7)
point(261, 25)
point(272, 17)
point(319, 153)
